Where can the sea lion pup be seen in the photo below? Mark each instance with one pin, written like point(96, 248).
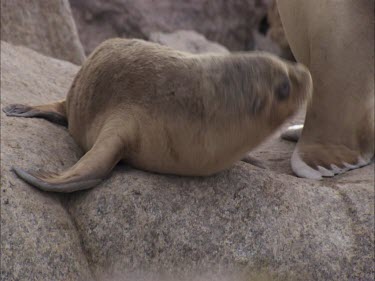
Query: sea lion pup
point(335, 40)
point(166, 111)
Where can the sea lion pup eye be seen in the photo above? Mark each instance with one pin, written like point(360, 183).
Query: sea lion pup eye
point(282, 91)
point(166, 111)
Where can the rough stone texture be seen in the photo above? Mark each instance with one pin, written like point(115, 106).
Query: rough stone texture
point(45, 26)
point(264, 43)
point(39, 241)
point(229, 23)
point(187, 41)
point(263, 223)
point(243, 218)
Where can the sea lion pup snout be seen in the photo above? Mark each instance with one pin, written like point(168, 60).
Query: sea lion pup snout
point(167, 111)
point(301, 81)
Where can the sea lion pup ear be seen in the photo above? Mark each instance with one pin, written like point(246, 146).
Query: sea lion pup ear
point(89, 171)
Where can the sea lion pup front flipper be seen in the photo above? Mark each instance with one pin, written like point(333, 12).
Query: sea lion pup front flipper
point(88, 172)
point(293, 133)
point(254, 161)
point(54, 112)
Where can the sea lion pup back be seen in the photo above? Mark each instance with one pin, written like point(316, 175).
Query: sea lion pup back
point(166, 111)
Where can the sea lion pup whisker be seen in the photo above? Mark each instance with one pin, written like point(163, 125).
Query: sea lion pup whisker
point(167, 111)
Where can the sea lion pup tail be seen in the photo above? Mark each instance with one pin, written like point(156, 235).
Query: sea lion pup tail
point(88, 172)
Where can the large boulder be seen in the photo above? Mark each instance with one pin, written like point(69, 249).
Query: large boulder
point(45, 26)
point(247, 221)
point(39, 240)
point(229, 23)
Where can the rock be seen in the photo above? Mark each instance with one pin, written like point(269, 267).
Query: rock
point(45, 26)
point(39, 240)
point(264, 43)
point(258, 224)
point(230, 23)
point(187, 41)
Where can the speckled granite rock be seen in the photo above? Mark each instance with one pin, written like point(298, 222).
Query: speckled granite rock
point(245, 221)
point(45, 26)
point(187, 41)
point(39, 241)
point(243, 218)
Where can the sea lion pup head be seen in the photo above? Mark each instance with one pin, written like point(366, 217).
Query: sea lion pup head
point(292, 86)
point(277, 89)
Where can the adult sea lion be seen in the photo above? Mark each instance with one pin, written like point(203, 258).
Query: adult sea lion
point(167, 111)
point(335, 40)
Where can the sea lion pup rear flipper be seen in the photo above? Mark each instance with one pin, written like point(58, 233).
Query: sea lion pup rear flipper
point(89, 171)
point(293, 133)
point(54, 112)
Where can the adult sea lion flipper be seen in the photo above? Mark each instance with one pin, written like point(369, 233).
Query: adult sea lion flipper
point(89, 171)
point(254, 161)
point(54, 112)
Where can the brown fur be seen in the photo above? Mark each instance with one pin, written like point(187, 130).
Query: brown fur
point(171, 112)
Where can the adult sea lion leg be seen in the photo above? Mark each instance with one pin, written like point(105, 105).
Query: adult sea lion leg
point(335, 39)
point(54, 112)
point(89, 171)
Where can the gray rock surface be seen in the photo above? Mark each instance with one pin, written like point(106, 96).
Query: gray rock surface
point(45, 26)
point(187, 41)
point(39, 241)
point(264, 43)
point(259, 224)
point(230, 23)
